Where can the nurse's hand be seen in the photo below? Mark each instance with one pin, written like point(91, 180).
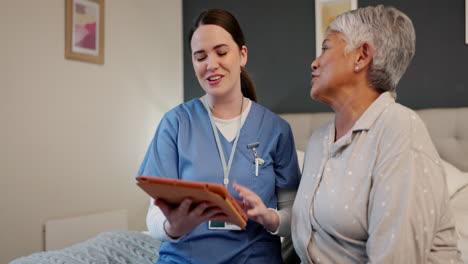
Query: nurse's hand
point(256, 209)
point(187, 215)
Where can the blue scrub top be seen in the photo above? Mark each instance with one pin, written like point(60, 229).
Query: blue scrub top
point(184, 147)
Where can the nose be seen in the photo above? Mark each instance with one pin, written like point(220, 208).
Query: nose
point(212, 63)
point(314, 65)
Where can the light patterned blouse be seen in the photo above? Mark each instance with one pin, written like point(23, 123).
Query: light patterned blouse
point(376, 195)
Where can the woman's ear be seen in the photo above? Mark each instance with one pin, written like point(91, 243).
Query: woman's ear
point(365, 55)
point(243, 54)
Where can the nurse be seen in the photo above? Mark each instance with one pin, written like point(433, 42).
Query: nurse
point(223, 137)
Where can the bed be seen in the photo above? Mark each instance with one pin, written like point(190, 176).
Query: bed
point(113, 247)
point(448, 128)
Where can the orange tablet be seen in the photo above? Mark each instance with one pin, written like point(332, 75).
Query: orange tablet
point(173, 191)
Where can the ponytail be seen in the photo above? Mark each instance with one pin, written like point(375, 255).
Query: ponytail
point(248, 86)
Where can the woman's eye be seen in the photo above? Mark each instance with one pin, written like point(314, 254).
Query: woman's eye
point(200, 58)
point(324, 49)
point(222, 53)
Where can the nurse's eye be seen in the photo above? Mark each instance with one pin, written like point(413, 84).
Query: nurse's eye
point(200, 57)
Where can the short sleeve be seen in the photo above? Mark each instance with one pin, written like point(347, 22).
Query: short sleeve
point(161, 158)
point(286, 165)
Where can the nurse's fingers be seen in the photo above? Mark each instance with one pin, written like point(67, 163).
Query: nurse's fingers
point(168, 209)
point(199, 209)
point(184, 206)
point(255, 212)
point(214, 213)
point(250, 198)
point(243, 191)
point(165, 208)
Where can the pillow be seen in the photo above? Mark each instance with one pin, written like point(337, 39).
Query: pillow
point(300, 158)
point(456, 179)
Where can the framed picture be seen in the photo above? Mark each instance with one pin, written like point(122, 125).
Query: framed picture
point(84, 30)
point(325, 12)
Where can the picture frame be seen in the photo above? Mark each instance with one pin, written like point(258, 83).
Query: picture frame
point(84, 30)
point(325, 12)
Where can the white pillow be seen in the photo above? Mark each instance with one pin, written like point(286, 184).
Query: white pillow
point(300, 158)
point(456, 179)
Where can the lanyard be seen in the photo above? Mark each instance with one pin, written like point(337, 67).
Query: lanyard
point(226, 167)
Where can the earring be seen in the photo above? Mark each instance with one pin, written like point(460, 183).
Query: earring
point(356, 69)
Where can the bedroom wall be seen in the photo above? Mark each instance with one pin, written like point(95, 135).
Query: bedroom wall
point(280, 36)
point(72, 133)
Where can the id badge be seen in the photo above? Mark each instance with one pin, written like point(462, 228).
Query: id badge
point(215, 225)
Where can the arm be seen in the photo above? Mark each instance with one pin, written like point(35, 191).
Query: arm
point(256, 209)
point(287, 174)
point(184, 218)
point(285, 202)
point(276, 222)
point(408, 210)
point(155, 222)
point(166, 222)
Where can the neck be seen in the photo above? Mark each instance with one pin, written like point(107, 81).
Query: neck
point(350, 106)
point(226, 107)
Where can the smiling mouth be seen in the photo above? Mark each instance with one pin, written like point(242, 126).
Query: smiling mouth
point(215, 78)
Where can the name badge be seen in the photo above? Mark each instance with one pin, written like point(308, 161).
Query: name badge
point(215, 225)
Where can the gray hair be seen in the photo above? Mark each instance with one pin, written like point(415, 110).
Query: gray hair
point(390, 33)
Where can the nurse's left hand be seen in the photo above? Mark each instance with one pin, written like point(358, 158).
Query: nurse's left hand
point(256, 209)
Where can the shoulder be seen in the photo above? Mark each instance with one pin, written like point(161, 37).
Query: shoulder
point(182, 115)
point(398, 113)
point(395, 119)
point(324, 130)
point(404, 124)
point(267, 116)
point(185, 110)
point(319, 137)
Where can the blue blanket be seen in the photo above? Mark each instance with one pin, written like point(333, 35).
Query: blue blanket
point(111, 247)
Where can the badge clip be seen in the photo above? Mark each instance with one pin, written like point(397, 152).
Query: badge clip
point(258, 161)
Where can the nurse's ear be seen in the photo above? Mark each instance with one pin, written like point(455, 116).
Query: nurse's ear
point(243, 54)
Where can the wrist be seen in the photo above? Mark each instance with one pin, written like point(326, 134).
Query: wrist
point(168, 230)
point(272, 220)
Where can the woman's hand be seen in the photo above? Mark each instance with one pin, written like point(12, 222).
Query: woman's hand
point(256, 209)
point(187, 215)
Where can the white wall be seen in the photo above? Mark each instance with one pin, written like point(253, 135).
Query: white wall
point(73, 133)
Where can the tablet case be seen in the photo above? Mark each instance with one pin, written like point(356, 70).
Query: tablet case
point(173, 191)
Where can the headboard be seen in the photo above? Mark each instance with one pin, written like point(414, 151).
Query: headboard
point(448, 128)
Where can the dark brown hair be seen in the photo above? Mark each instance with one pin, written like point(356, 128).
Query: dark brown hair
point(226, 20)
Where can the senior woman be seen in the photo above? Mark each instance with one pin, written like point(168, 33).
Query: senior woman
point(373, 187)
